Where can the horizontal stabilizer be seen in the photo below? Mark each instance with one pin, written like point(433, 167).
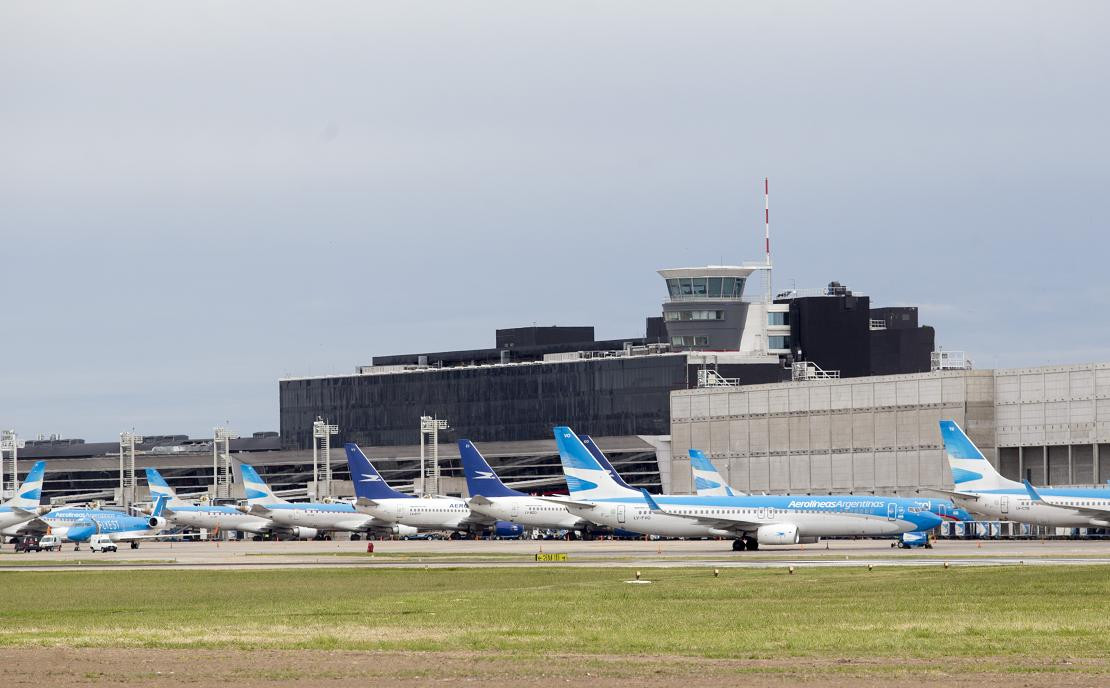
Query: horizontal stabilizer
point(569, 502)
point(951, 493)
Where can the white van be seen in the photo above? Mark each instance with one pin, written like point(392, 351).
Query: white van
point(51, 542)
point(102, 543)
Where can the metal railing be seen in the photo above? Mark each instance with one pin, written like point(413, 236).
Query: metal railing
point(801, 371)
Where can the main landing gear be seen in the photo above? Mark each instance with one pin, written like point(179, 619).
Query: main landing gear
point(745, 543)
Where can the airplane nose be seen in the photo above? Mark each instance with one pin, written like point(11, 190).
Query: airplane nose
point(81, 534)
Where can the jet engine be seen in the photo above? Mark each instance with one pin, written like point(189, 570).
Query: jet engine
point(403, 531)
point(507, 529)
point(777, 534)
point(302, 533)
point(156, 522)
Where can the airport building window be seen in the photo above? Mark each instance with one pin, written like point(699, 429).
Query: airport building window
point(690, 340)
point(778, 342)
point(778, 318)
point(672, 316)
point(715, 287)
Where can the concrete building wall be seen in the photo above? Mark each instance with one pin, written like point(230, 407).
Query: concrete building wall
point(879, 434)
point(858, 434)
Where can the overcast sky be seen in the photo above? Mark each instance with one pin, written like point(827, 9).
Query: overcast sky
point(197, 199)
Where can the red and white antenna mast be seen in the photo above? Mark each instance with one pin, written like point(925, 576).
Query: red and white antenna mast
point(767, 232)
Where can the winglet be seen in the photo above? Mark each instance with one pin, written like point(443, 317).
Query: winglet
point(1032, 493)
point(650, 501)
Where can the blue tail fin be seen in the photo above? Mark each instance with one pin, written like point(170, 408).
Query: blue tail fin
point(480, 478)
point(595, 451)
point(159, 505)
point(586, 479)
point(369, 484)
point(158, 485)
point(258, 492)
point(971, 471)
point(30, 491)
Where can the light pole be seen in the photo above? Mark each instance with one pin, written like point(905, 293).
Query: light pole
point(430, 427)
point(10, 442)
point(221, 461)
point(127, 442)
point(321, 449)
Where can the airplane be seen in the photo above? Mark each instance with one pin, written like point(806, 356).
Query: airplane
point(57, 521)
point(709, 482)
point(122, 528)
point(749, 520)
point(24, 506)
point(214, 517)
point(982, 489)
point(307, 519)
point(377, 498)
point(490, 497)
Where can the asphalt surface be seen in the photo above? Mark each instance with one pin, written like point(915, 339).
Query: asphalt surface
point(508, 553)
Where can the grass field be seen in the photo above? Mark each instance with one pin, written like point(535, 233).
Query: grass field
point(1031, 612)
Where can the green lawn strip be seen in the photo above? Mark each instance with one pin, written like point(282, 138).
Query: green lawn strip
point(106, 560)
point(1028, 613)
point(521, 556)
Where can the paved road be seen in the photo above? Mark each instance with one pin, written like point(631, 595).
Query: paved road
point(615, 554)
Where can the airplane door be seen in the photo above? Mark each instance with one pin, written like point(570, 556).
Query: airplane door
point(890, 511)
point(1004, 504)
point(514, 513)
point(620, 514)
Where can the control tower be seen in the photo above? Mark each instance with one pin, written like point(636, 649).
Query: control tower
point(706, 311)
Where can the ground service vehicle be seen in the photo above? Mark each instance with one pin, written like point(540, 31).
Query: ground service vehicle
point(102, 543)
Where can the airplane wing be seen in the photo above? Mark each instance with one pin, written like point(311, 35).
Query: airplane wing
point(34, 525)
point(479, 500)
point(722, 521)
point(569, 502)
point(363, 501)
point(259, 510)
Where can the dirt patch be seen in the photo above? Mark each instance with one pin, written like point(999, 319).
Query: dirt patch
point(35, 666)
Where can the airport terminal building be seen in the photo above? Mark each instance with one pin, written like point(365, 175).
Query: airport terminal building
point(805, 391)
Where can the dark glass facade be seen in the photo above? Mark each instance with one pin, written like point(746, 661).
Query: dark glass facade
point(604, 397)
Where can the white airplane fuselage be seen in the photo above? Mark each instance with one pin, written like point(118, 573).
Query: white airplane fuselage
point(218, 518)
point(336, 516)
point(1053, 509)
point(432, 513)
point(637, 517)
point(529, 511)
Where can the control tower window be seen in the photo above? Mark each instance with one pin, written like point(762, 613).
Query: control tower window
point(672, 316)
point(685, 286)
point(673, 288)
point(700, 287)
point(715, 287)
